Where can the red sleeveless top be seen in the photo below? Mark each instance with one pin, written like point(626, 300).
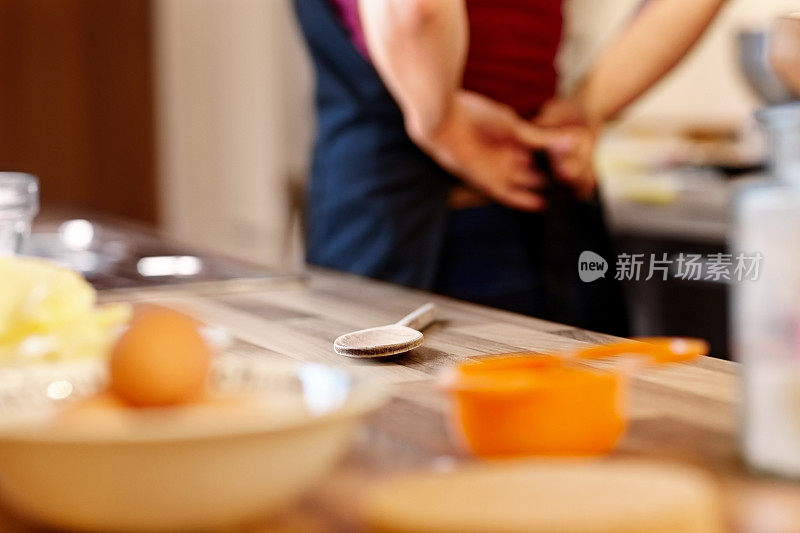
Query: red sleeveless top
point(512, 48)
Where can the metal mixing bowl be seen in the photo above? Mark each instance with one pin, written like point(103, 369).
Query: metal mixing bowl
point(754, 62)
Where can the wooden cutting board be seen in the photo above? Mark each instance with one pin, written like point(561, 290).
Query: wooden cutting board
point(563, 496)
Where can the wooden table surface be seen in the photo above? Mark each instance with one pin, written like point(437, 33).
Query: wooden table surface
point(683, 412)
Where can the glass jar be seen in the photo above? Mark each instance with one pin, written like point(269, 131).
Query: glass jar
point(19, 204)
point(766, 309)
point(783, 127)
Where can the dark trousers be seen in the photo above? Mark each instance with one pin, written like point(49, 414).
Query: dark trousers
point(489, 258)
point(504, 258)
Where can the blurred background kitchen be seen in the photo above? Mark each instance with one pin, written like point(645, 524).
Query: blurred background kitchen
point(194, 117)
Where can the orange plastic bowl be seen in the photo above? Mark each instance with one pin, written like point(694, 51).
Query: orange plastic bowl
point(535, 404)
point(655, 350)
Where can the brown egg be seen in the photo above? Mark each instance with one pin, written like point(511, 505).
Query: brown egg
point(160, 360)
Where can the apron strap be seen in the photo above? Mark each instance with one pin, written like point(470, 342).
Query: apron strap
point(331, 46)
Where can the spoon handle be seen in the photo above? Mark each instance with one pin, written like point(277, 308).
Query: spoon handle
point(420, 318)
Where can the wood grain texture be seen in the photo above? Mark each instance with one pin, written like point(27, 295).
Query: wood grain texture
point(685, 412)
point(77, 104)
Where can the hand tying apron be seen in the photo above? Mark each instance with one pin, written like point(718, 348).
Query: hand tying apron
point(377, 206)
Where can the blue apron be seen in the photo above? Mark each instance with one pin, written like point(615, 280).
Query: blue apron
point(377, 206)
point(376, 201)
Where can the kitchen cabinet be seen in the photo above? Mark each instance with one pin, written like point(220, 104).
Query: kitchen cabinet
point(76, 102)
point(694, 222)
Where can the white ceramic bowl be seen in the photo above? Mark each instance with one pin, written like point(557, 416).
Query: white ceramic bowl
point(193, 468)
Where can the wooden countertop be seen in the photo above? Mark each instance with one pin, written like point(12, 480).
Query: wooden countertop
point(684, 412)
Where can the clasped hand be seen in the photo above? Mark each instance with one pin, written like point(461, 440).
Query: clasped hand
point(490, 147)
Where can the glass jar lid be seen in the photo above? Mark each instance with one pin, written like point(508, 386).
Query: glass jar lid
point(19, 194)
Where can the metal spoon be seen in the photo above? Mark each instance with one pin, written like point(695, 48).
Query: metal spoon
point(389, 340)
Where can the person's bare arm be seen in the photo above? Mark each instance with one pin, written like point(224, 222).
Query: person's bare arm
point(419, 48)
point(655, 41)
